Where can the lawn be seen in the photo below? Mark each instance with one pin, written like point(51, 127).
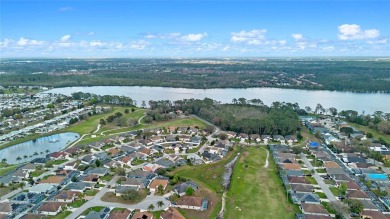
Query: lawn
point(111, 197)
point(56, 162)
point(90, 124)
point(375, 133)
point(92, 192)
point(191, 121)
point(77, 203)
point(61, 215)
point(321, 194)
point(209, 174)
point(37, 173)
point(106, 177)
point(255, 191)
point(5, 170)
point(5, 190)
point(336, 191)
point(96, 208)
point(311, 179)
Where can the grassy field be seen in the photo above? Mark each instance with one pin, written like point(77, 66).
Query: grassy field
point(89, 125)
point(111, 197)
point(96, 208)
point(375, 133)
point(5, 190)
point(61, 215)
point(208, 176)
point(5, 170)
point(257, 192)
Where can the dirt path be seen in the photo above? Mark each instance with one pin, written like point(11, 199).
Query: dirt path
point(266, 160)
point(221, 213)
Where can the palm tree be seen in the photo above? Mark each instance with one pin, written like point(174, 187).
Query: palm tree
point(41, 153)
point(160, 204)
point(25, 158)
point(47, 151)
point(18, 159)
point(4, 160)
point(151, 207)
point(35, 153)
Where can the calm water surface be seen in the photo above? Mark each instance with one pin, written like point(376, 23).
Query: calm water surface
point(52, 143)
point(368, 102)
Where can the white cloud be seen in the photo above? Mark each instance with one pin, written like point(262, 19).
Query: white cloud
point(355, 32)
point(5, 43)
point(27, 42)
point(65, 38)
point(226, 48)
point(139, 45)
point(250, 37)
point(97, 43)
point(297, 36)
point(378, 41)
point(193, 37)
point(91, 33)
point(328, 48)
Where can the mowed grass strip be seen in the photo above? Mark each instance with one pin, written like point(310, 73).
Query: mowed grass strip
point(255, 191)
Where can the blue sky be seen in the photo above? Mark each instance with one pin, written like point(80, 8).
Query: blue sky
point(193, 28)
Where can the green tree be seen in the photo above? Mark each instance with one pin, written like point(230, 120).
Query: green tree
point(355, 205)
point(4, 160)
point(343, 188)
point(369, 135)
point(131, 195)
point(18, 159)
point(189, 190)
point(151, 207)
point(160, 189)
point(160, 204)
point(132, 110)
point(296, 149)
point(127, 111)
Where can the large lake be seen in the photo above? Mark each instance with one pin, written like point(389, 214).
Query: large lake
point(51, 143)
point(367, 102)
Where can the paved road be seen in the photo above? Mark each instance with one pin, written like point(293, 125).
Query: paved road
point(96, 201)
point(319, 179)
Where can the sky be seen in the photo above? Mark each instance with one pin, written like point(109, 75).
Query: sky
point(248, 28)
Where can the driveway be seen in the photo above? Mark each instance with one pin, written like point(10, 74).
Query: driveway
point(319, 179)
point(96, 201)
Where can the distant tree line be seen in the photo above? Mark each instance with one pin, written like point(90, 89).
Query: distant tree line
point(105, 99)
point(248, 116)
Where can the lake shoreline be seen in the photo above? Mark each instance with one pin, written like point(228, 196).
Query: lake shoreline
point(341, 100)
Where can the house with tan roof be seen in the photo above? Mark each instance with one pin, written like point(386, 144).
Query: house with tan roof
point(90, 178)
point(151, 167)
point(66, 196)
point(114, 152)
point(171, 213)
point(146, 151)
point(53, 180)
point(51, 208)
point(120, 214)
point(372, 215)
point(142, 215)
point(314, 209)
point(191, 202)
point(357, 194)
point(291, 166)
point(156, 183)
point(331, 164)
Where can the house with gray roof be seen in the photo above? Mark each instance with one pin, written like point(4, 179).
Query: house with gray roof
point(102, 214)
point(165, 163)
